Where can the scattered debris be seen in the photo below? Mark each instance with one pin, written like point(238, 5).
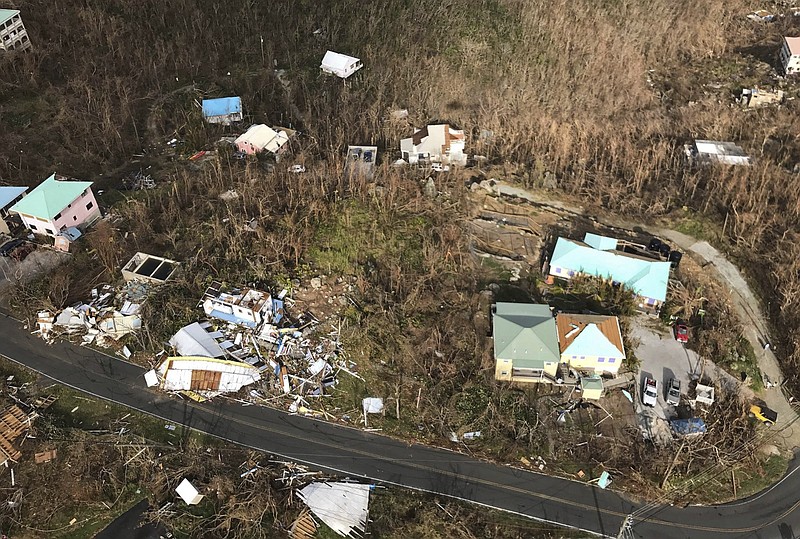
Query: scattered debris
point(706, 152)
point(137, 181)
point(188, 493)
point(13, 423)
point(45, 456)
point(303, 527)
point(755, 97)
point(762, 15)
point(343, 507)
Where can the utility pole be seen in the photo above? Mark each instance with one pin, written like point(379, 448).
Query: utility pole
point(626, 531)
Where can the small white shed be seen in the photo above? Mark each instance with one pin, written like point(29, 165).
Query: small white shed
point(340, 65)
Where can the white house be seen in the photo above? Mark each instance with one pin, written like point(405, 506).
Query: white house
point(13, 35)
point(340, 65)
point(261, 137)
point(435, 144)
point(790, 55)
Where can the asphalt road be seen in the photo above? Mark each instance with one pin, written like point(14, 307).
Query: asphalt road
point(350, 452)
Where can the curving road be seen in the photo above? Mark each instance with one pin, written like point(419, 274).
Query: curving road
point(773, 514)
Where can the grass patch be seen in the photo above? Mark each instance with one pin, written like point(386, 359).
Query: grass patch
point(751, 478)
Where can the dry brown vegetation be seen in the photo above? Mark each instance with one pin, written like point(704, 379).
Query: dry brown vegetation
point(564, 86)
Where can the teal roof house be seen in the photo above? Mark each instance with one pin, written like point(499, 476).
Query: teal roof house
point(57, 204)
point(597, 256)
point(525, 342)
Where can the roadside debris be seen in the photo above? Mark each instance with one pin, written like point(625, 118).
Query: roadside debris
point(13, 423)
point(188, 493)
point(202, 378)
point(108, 316)
point(756, 97)
point(343, 507)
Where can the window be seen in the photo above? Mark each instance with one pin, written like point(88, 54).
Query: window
point(557, 270)
point(90, 205)
point(612, 360)
point(583, 357)
point(74, 217)
point(601, 360)
point(57, 217)
point(32, 227)
point(504, 373)
point(49, 231)
point(570, 273)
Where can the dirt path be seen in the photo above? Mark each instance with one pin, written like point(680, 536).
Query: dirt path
point(745, 302)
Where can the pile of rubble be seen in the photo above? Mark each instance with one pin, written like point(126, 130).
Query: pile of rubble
point(108, 316)
point(250, 336)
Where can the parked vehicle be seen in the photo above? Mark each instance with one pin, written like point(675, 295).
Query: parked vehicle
point(654, 245)
point(675, 258)
point(9, 246)
point(764, 414)
point(297, 169)
point(438, 167)
point(649, 392)
point(664, 249)
point(681, 332)
point(674, 392)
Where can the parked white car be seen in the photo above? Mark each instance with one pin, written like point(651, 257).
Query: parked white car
point(649, 392)
point(297, 169)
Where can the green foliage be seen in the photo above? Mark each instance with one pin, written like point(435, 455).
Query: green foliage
point(472, 403)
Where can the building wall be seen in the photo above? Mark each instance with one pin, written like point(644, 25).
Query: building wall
point(13, 35)
point(597, 364)
point(791, 63)
point(81, 211)
point(504, 371)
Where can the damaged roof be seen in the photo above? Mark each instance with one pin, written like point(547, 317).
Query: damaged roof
point(50, 197)
point(646, 277)
point(589, 335)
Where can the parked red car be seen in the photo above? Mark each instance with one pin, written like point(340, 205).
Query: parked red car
point(681, 332)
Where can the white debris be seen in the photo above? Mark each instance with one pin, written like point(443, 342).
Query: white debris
point(373, 405)
point(188, 493)
point(343, 507)
point(151, 378)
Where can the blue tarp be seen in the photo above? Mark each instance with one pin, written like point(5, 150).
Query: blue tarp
point(222, 106)
point(685, 427)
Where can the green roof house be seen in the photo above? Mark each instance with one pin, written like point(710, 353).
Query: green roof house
point(57, 204)
point(598, 256)
point(525, 342)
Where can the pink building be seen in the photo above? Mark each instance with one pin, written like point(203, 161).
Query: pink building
point(57, 204)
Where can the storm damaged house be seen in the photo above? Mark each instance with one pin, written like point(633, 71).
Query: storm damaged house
point(598, 256)
point(259, 138)
point(245, 307)
point(438, 143)
point(149, 268)
point(205, 376)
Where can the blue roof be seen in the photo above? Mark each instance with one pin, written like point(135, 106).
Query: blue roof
point(647, 278)
point(9, 194)
point(222, 106)
point(685, 427)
